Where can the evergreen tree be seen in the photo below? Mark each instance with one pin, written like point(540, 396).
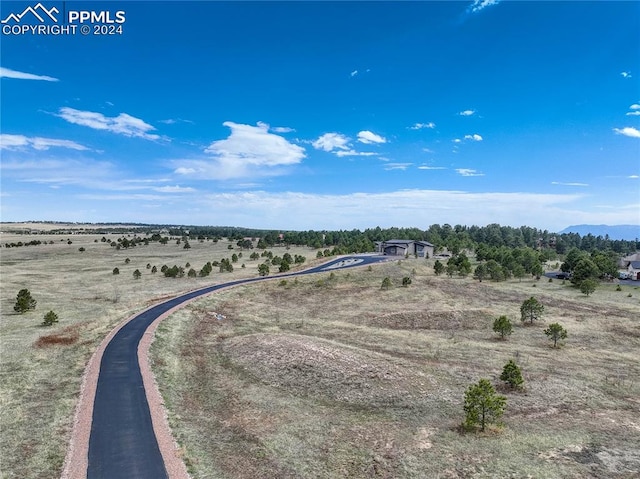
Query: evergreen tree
point(512, 375)
point(531, 310)
point(482, 405)
point(50, 318)
point(503, 326)
point(556, 332)
point(24, 302)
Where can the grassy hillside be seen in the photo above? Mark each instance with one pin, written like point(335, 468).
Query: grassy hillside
point(326, 377)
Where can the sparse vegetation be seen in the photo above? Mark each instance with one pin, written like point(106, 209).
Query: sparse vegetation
point(555, 332)
point(386, 403)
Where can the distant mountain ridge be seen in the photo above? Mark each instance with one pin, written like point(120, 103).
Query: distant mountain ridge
point(615, 232)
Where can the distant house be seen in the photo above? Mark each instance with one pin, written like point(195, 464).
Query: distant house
point(634, 270)
point(421, 249)
point(624, 262)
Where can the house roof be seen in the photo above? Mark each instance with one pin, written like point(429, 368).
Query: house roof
point(406, 242)
point(635, 264)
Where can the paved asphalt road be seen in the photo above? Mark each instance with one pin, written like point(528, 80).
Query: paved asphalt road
point(122, 442)
point(629, 282)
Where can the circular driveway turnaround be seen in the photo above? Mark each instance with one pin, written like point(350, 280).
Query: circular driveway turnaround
point(122, 441)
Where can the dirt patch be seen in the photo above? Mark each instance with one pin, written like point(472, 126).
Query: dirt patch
point(311, 366)
point(440, 320)
point(603, 461)
point(64, 337)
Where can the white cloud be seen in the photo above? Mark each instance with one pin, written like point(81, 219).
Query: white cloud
point(457, 140)
point(568, 184)
point(350, 152)
point(468, 172)
point(633, 177)
point(625, 74)
point(479, 5)
point(369, 137)
point(123, 124)
point(174, 189)
point(249, 151)
point(302, 211)
point(11, 142)
point(635, 110)
point(467, 113)
point(427, 167)
point(628, 131)
point(353, 73)
point(474, 137)
point(420, 126)
point(331, 141)
point(172, 121)
point(282, 129)
point(7, 73)
point(340, 145)
point(397, 166)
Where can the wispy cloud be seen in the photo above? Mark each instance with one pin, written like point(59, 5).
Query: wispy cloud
point(625, 74)
point(173, 121)
point(479, 5)
point(474, 137)
point(123, 124)
point(7, 73)
point(562, 183)
point(468, 172)
point(421, 126)
point(353, 73)
point(369, 137)
point(282, 129)
point(628, 131)
point(467, 113)
point(427, 167)
point(397, 166)
point(13, 142)
point(174, 189)
point(296, 210)
point(249, 151)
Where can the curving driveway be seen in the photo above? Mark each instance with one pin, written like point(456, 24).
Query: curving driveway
point(122, 442)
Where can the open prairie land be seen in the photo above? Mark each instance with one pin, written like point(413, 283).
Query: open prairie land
point(41, 367)
point(332, 377)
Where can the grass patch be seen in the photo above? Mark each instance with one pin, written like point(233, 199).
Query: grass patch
point(41, 368)
point(330, 378)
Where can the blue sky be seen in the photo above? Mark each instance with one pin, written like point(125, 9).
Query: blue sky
point(314, 115)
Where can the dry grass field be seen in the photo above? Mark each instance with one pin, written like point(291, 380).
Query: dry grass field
point(41, 367)
point(331, 377)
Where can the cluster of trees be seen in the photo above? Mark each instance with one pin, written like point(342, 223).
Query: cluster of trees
point(482, 404)
point(25, 302)
point(594, 265)
point(531, 310)
point(501, 263)
point(20, 243)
